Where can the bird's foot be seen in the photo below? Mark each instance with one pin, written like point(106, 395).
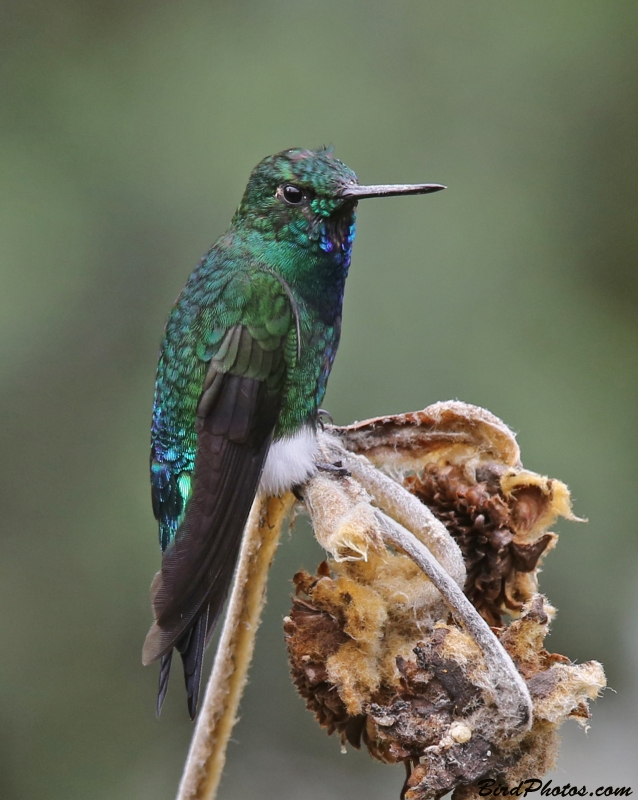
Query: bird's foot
point(322, 416)
point(337, 469)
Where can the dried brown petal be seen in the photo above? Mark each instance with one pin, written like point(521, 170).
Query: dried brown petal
point(405, 441)
point(343, 520)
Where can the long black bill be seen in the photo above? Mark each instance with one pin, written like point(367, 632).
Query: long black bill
point(357, 192)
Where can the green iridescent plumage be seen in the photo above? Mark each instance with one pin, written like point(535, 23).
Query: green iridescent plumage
point(244, 364)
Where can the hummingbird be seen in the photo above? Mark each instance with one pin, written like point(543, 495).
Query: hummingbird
point(243, 367)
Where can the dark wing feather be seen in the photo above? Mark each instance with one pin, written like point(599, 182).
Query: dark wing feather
point(236, 417)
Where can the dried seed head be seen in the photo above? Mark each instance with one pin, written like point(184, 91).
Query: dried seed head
point(373, 649)
point(436, 709)
point(464, 464)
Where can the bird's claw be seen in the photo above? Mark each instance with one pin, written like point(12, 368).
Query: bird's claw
point(337, 469)
point(322, 416)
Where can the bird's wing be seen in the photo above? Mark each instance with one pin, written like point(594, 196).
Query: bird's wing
point(236, 413)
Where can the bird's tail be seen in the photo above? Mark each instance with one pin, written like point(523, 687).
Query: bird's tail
point(164, 675)
point(191, 648)
point(192, 653)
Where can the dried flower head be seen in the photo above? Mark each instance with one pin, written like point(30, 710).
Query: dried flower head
point(402, 663)
point(464, 464)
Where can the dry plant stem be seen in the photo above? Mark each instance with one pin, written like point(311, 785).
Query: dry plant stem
point(207, 754)
point(511, 696)
point(402, 506)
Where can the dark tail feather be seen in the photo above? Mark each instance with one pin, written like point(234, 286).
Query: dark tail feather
point(191, 648)
point(164, 675)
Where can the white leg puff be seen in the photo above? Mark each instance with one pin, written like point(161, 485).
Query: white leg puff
point(290, 461)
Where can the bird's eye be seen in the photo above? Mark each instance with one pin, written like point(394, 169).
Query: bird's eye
point(292, 195)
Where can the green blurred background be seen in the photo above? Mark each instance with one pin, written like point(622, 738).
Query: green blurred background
point(128, 131)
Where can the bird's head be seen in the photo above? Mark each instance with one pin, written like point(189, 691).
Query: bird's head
point(309, 196)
